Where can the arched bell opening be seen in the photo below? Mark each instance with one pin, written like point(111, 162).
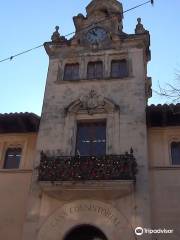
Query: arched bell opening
point(85, 232)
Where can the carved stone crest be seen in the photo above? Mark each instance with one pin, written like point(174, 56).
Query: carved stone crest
point(92, 101)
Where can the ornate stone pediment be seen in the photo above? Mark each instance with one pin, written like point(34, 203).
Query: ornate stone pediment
point(105, 14)
point(108, 6)
point(92, 103)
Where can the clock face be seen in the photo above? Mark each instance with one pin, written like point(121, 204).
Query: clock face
point(96, 35)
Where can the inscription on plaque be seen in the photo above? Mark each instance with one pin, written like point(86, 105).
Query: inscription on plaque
point(93, 212)
point(89, 207)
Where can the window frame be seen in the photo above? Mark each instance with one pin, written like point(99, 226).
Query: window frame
point(112, 131)
point(171, 156)
point(84, 59)
point(118, 61)
point(14, 141)
point(95, 73)
point(91, 121)
point(71, 64)
point(5, 157)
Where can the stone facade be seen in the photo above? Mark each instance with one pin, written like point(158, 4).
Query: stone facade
point(121, 101)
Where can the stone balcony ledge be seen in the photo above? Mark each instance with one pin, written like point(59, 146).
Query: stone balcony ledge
point(88, 189)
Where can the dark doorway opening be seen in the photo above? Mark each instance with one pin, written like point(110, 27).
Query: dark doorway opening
point(85, 232)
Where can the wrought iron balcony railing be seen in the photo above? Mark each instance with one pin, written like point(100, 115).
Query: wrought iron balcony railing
point(83, 168)
point(109, 167)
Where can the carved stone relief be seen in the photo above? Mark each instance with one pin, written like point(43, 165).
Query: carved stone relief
point(92, 103)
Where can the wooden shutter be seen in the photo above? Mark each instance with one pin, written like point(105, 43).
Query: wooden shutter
point(75, 72)
point(71, 72)
point(91, 138)
point(175, 153)
point(115, 69)
point(95, 70)
point(12, 158)
point(91, 70)
point(119, 69)
point(98, 70)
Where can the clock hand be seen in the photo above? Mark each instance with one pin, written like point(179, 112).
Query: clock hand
point(94, 33)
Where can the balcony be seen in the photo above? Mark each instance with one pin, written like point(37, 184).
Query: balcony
point(87, 168)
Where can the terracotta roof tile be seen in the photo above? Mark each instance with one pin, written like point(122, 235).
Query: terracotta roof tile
point(163, 115)
point(19, 122)
point(157, 116)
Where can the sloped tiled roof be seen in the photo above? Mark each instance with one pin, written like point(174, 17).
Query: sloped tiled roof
point(157, 116)
point(163, 115)
point(19, 123)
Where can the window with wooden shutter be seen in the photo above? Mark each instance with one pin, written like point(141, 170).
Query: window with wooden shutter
point(175, 153)
point(91, 138)
point(95, 70)
point(119, 68)
point(71, 71)
point(12, 158)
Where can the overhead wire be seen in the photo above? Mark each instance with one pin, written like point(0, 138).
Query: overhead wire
point(69, 34)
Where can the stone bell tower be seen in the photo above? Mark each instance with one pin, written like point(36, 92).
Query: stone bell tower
point(91, 171)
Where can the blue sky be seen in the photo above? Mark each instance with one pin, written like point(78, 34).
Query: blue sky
point(26, 24)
